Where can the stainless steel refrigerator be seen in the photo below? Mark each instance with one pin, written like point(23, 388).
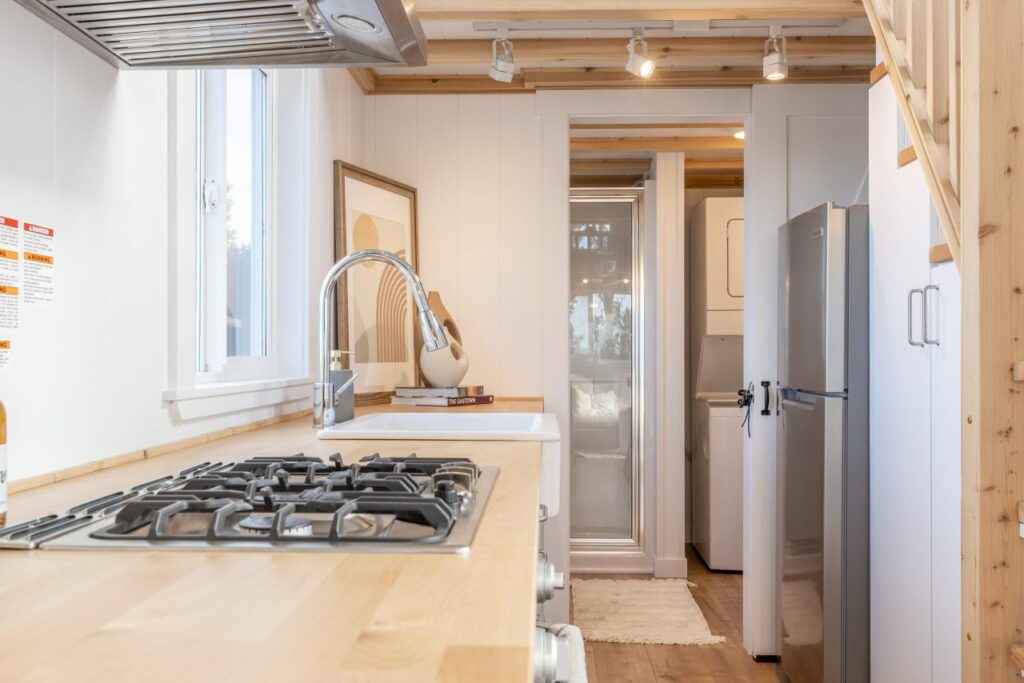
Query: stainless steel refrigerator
point(823, 445)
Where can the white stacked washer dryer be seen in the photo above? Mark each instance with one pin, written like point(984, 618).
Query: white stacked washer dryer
point(716, 366)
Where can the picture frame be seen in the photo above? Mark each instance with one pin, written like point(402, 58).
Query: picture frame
point(379, 334)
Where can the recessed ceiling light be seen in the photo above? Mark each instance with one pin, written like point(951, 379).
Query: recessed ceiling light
point(357, 24)
point(775, 65)
point(740, 135)
point(638, 63)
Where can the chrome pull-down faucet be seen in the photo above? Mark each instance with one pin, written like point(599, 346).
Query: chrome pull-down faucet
point(433, 333)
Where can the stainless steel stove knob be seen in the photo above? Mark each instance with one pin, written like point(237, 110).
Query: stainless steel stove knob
point(545, 656)
point(548, 580)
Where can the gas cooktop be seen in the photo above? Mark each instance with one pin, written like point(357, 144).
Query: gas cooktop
point(294, 503)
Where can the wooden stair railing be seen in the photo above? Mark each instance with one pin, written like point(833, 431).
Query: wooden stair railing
point(920, 45)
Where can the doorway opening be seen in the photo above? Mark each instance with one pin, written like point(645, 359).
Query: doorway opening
point(656, 359)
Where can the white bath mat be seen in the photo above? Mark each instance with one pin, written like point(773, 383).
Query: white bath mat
point(656, 611)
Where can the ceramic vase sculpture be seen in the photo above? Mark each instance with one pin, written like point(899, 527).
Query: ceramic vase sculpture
point(446, 367)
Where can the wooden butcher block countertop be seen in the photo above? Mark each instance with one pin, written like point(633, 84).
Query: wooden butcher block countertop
point(245, 616)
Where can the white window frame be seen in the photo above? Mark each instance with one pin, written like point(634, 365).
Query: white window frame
point(244, 386)
point(211, 320)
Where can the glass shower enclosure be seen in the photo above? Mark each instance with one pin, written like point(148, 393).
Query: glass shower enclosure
point(605, 269)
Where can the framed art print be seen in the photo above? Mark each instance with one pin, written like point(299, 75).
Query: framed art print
point(374, 303)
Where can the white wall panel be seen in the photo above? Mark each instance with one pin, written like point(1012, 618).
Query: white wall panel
point(395, 133)
point(84, 149)
point(478, 260)
point(475, 162)
point(437, 185)
point(519, 269)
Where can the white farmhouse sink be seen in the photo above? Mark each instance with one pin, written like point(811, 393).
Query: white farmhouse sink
point(448, 427)
point(467, 427)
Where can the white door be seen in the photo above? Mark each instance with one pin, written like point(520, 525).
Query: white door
point(900, 460)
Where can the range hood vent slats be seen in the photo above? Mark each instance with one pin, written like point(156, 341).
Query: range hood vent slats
point(222, 33)
point(185, 19)
point(127, 45)
point(191, 61)
point(155, 30)
point(126, 39)
point(85, 12)
point(75, 7)
point(221, 47)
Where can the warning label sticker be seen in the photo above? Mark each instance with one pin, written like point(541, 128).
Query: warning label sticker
point(38, 264)
point(10, 273)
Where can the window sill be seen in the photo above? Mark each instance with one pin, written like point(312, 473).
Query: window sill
point(232, 397)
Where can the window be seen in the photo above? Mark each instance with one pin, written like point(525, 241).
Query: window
point(240, 272)
point(233, 234)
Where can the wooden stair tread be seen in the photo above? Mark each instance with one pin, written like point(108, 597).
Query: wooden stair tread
point(940, 253)
point(906, 155)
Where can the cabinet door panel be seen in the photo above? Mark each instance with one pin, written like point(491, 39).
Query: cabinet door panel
point(900, 460)
point(944, 318)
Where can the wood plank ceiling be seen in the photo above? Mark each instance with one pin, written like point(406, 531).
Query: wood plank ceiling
point(582, 44)
point(621, 154)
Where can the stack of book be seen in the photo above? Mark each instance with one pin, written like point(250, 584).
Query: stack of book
point(441, 396)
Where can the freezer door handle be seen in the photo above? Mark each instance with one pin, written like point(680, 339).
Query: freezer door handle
point(910, 316)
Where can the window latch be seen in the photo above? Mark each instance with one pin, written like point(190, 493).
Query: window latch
point(211, 194)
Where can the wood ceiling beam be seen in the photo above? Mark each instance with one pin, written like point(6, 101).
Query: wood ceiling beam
point(652, 144)
point(537, 10)
point(365, 78)
point(418, 84)
point(610, 166)
point(694, 182)
point(548, 51)
point(621, 167)
point(724, 164)
point(630, 180)
point(567, 79)
point(686, 77)
point(613, 166)
point(632, 126)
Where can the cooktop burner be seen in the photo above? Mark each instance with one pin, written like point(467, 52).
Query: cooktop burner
point(406, 504)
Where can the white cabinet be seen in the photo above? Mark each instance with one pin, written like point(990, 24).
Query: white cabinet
point(718, 481)
point(717, 264)
point(914, 422)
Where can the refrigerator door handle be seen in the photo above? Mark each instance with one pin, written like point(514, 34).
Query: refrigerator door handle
point(910, 316)
point(924, 315)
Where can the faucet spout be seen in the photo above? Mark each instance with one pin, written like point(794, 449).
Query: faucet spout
point(433, 334)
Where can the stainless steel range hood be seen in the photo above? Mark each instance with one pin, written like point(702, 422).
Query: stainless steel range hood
point(168, 34)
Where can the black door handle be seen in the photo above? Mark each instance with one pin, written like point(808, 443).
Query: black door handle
point(766, 385)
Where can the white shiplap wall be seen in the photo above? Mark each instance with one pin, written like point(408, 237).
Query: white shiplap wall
point(86, 151)
point(475, 161)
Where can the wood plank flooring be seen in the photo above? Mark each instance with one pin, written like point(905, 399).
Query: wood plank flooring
point(720, 596)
